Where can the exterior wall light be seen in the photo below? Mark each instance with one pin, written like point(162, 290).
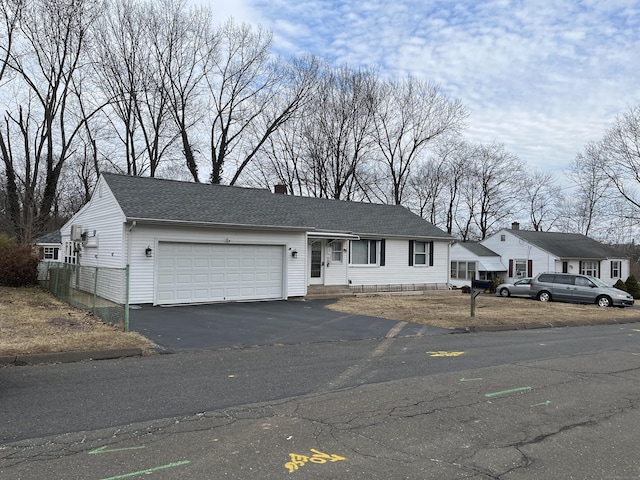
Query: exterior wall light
point(148, 251)
point(294, 253)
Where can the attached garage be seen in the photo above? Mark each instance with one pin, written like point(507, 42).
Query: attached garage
point(203, 272)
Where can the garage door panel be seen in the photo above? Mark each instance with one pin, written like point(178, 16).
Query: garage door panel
point(189, 273)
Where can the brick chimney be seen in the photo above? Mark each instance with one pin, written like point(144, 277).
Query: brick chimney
point(280, 189)
point(515, 226)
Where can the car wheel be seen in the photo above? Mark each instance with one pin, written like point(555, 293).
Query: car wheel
point(544, 296)
point(603, 301)
point(504, 292)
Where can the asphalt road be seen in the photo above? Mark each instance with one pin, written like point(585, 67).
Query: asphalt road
point(550, 403)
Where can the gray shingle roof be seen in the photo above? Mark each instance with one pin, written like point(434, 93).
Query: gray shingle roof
point(175, 201)
point(51, 237)
point(568, 245)
point(478, 249)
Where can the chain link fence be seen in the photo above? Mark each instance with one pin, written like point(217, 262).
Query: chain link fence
point(100, 290)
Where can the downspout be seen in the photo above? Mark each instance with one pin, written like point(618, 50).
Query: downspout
point(449, 264)
point(129, 237)
point(128, 275)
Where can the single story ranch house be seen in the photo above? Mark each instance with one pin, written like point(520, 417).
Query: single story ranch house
point(197, 243)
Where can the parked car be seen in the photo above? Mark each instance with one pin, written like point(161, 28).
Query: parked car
point(566, 287)
point(518, 288)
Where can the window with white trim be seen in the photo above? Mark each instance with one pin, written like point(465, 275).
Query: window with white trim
point(50, 253)
point(336, 252)
point(364, 252)
point(589, 267)
point(463, 270)
point(520, 268)
point(616, 268)
point(420, 253)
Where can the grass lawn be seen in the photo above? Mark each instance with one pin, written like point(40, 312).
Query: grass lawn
point(452, 309)
point(33, 321)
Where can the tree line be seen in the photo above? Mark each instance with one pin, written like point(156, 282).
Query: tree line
point(161, 88)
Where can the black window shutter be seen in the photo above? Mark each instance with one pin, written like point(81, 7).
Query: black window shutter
point(611, 266)
point(382, 252)
point(411, 253)
point(431, 253)
point(529, 268)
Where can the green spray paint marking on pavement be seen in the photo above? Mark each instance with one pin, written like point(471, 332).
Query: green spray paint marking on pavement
point(149, 470)
point(543, 404)
point(506, 392)
point(105, 449)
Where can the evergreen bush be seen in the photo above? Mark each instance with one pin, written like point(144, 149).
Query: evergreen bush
point(620, 285)
point(632, 286)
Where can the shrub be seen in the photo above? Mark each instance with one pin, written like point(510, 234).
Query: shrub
point(632, 287)
point(620, 285)
point(6, 242)
point(18, 266)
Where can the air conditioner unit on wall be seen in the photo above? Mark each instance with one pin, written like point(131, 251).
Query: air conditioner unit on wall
point(76, 233)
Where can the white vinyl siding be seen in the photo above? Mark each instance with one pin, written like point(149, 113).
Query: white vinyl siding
point(104, 215)
point(396, 270)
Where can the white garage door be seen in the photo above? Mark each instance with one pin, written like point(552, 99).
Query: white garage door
point(199, 273)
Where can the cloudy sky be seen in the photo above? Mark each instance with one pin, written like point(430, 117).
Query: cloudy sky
point(541, 76)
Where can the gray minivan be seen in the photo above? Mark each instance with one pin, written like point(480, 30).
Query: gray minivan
point(566, 287)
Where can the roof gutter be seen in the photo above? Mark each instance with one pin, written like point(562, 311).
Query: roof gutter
point(151, 221)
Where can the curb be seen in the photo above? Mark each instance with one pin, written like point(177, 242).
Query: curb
point(533, 326)
point(68, 357)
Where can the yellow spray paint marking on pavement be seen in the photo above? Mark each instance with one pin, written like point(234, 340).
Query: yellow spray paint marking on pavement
point(298, 460)
point(636, 330)
point(445, 354)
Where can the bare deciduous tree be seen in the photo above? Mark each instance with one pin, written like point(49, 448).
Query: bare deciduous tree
point(490, 190)
point(593, 187)
point(338, 132)
point(621, 149)
point(47, 58)
point(543, 198)
point(253, 95)
point(409, 115)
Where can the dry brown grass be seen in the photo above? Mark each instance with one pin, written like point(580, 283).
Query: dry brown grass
point(452, 309)
point(33, 321)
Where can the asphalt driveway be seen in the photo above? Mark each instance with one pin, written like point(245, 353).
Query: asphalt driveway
point(228, 325)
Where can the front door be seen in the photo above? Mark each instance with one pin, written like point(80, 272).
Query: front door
point(316, 263)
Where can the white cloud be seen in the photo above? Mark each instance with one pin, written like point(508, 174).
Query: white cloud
point(541, 77)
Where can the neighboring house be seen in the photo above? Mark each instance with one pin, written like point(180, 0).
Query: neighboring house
point(474, 261)
point(49, 246)
point(196, 243)
point(527, 253)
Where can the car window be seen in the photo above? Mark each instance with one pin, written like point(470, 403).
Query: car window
point(582, 282)
point(524, 281)
point(545, 278)
point(564, 279)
